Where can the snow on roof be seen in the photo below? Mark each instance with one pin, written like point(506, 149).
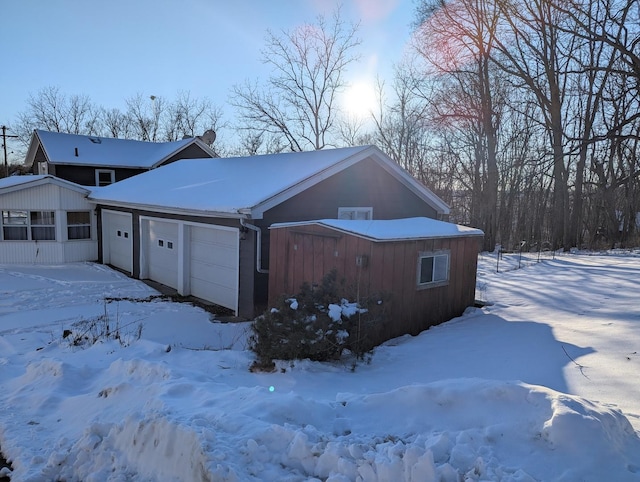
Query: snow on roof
point(12, 183)
point(221, 185)
point(60, 148)
point(392, 229)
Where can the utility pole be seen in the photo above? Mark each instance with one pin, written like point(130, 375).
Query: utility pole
point(4, 145)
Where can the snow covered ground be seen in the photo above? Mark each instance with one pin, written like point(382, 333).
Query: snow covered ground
point(541, 384)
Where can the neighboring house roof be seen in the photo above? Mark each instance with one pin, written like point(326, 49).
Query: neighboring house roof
point(245, 186)
point(391, 229)
point(16, 183)
point(80, 150)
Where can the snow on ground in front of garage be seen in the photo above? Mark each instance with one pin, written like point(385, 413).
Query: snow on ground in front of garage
point(540, 384)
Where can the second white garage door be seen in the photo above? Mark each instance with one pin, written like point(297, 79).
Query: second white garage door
point(214, 264)
point(163, 252)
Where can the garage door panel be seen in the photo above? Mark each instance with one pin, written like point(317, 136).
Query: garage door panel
point(117, 228)
point(224, 296)
point(214, 264)
point(163, 252)
point(213, 274)
point(213, 255)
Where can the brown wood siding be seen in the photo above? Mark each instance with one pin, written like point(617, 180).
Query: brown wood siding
point(306, 254)
point(365, 184)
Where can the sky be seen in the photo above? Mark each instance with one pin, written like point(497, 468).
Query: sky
point(114, 50)
point(540, 384)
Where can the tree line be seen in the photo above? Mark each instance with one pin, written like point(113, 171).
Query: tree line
point(524, 116)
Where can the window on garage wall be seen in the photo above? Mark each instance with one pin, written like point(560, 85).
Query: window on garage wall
point(78, 225)
point(355, 213)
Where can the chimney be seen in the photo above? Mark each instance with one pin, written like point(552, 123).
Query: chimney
point(76, 152)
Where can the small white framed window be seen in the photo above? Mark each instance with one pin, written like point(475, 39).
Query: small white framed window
point(355, 213)
point(15, 225)
point(433, 269)
point(104, 177)
point(43, 225)
point(78, 225)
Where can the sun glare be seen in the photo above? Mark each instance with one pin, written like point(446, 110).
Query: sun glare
point(360, 100)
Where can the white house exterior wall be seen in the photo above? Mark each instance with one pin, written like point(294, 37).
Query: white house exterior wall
point(49, 197)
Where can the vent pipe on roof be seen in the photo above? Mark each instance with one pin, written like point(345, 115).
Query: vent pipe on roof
point(76, 152)
point(258, 245)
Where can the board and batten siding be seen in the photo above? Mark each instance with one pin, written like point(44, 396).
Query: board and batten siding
point(49, 197)
point(389, 272)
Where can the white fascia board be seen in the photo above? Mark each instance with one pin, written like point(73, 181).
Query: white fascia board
point(46, 180)
point(167, 210)
point(424, 193)
point(33, 149)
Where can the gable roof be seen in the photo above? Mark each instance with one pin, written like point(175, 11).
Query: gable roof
point(245, 186)
point(80, 150)
point(391, 229)
point(16, 183)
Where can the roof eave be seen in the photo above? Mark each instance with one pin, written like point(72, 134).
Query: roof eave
point(46, 180)
point(240, 213)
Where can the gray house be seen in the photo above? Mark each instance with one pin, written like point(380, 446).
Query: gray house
point(99, 161)
point(201, 226)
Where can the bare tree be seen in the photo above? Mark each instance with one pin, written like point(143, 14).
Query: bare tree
point(456, 38)
point(298, 100)
point(52, 110)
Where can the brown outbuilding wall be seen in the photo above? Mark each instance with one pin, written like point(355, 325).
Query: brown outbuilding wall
point(384, 269)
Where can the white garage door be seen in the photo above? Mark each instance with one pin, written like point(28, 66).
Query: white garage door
point(117, 237)
point(163, 252)
point(214, 265)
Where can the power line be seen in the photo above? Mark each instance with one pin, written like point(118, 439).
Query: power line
point(4, 145)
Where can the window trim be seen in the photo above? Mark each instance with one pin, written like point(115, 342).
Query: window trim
point(78, 225)
point(28, 225)
point(368, 210)
point(111, 172)
point(446, 253)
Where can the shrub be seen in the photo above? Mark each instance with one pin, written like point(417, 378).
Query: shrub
point(316, 324)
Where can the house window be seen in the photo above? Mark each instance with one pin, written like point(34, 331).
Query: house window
point(78, 225)
point(28, 225)
point(43, 226)
point(433, 269)
point(15, 225)
point(355, 213)
point(104, 177)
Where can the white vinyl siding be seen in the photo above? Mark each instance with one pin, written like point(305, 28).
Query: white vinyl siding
point(33, 213)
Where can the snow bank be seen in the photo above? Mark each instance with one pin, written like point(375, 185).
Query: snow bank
point(181, 404)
